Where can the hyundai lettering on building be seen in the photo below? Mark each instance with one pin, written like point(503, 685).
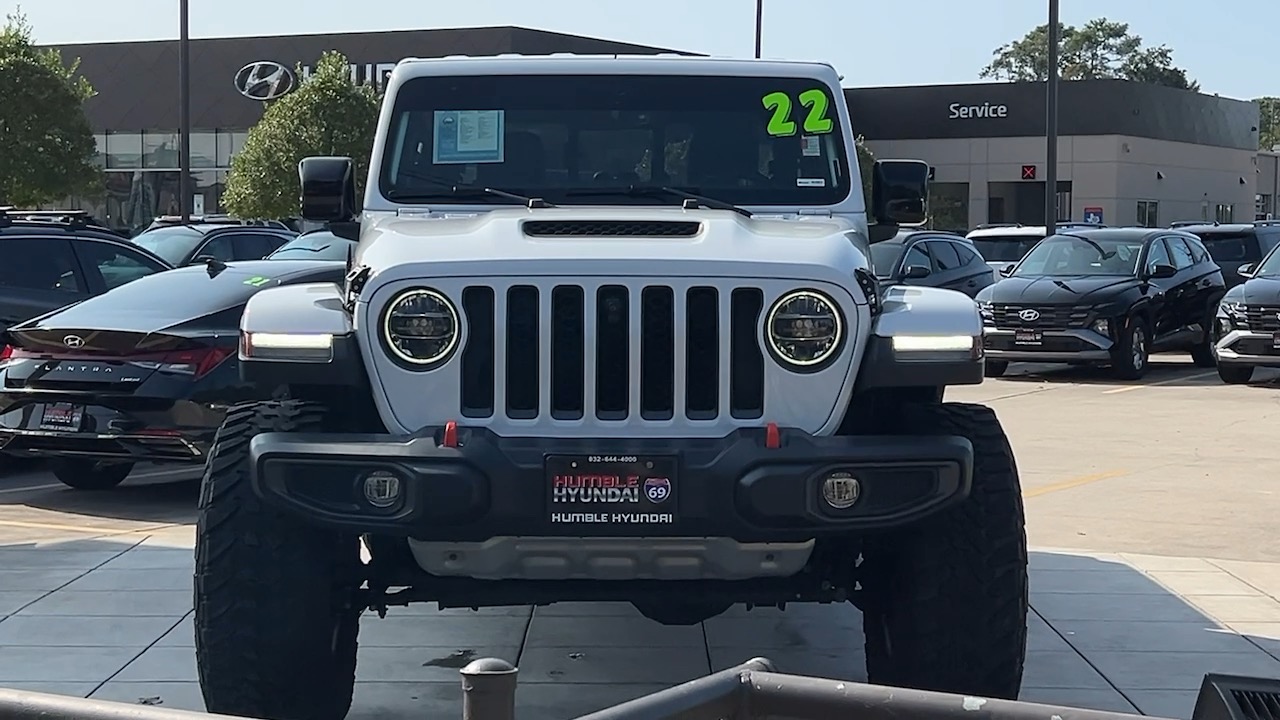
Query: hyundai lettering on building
point(374, 74)
point(266, 80)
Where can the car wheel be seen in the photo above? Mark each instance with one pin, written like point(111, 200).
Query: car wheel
point(1202, 353)
point(1235, 374)
point(945, 602)
point(275, 612)
point(995, 368)
point(86, 474)
point(1132, 355)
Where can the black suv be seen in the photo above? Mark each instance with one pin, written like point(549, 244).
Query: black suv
point(1237, 244)
point(933, 258)
point(1248, 327)
point(48, 263)
point(188, 244)
point(1104, 296)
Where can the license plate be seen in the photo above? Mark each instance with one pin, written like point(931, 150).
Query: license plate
point(62, 416)
point(1028, 337)
point(619, 490)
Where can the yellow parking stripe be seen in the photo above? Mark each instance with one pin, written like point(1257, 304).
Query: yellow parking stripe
point(1068, 484)
point(1169, 381)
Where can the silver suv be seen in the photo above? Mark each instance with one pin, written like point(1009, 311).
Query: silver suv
point(610, 333)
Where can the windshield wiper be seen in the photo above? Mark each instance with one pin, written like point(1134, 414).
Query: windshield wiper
point(460, 190)
point(661, 191)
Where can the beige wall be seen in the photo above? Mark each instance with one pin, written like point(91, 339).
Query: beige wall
point(1109, 171)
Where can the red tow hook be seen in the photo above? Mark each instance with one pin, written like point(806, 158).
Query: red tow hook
point(772, 437)
point(450, 435)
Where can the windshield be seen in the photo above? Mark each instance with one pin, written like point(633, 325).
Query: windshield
point(884, 256)
point(1239, 247)
point(1270, 265)
point(171, 243)
point(1071, 255)
point(565, 138)
point(315, 246)
point(1004, 248)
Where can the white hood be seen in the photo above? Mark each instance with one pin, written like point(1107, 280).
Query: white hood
point(493, 243)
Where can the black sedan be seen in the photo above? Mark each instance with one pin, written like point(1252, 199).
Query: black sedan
point(197, 243)
point(1104, 296)
point(932, 258)
point(1248, 327)
point(143, 373)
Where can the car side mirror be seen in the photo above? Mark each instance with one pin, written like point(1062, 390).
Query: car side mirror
point(1246, 270)
point(328, 189)
point(1160, 272)
point(899, 191)
point(916, 272)
point(1007, 270)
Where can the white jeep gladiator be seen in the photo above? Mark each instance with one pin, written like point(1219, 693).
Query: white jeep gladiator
point(610, 333)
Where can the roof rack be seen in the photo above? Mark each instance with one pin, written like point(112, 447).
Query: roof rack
point(989, 226)
point(1265, 223)
point(69, 219)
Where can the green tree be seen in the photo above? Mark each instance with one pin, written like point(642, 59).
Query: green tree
point(1100, 49)
point(326, 115)
point(47, 149)
point(1268, 122)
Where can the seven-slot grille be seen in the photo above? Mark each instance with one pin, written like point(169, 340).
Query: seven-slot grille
point(1049, 316)
point(1263, 318)
point(693, 355)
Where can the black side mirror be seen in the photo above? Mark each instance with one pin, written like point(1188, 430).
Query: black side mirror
point(916, 272)
point(900, 191)
point(328, 189)
point(1007, 270)
point(1160, 272)
point(1246, 270)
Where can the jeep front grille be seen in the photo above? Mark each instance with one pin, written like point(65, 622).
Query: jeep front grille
point(611, 228)
point(612, 352)
point(1263, 318)
point(1050, 316)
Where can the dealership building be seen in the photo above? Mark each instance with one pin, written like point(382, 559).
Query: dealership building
point(1128, 153)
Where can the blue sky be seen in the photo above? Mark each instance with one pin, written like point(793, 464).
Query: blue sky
point(916, 42)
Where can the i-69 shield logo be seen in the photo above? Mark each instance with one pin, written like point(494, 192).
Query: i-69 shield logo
point(657, 489)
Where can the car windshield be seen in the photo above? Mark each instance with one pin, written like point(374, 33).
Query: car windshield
point(1239, 247)
point(592, 139)
point(884, 256)
point(1270, 265)
point(173, 244)
point(1076, 255)
point(1004, 248)
point(313, 246)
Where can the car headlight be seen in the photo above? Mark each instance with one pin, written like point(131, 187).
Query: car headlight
point(804, 328)
point(420, 327)
point(1235, 309)
point(984, 309)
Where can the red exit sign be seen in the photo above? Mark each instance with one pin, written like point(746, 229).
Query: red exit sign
point(1028, 172)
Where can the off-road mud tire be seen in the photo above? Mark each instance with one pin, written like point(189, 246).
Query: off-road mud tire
point(945, 601)
point(86, 474)
point(1235, 374)
point(1123, 363)
point(275, 623)
point(995, 368)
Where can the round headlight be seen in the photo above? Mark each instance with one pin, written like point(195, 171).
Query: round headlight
point(804, 328)
point(420, 326)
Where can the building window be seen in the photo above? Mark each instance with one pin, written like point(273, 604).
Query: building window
point(1224, 213)
point(124, 150)
point(1262, 207)
point(1148, 213)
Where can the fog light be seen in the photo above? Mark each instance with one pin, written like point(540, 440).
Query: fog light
point(1102, 327)
point(381, 489)
point(841, 490)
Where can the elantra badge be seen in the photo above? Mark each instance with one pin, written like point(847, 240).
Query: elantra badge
point(73, 341)
point(1029, 315)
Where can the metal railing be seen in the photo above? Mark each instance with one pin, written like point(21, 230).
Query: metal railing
point(751, 690)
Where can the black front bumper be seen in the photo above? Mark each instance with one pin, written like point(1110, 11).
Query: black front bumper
point(489, 486)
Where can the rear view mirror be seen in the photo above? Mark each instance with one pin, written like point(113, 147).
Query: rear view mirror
point(916, 272)
point(328, 189)
point(1246, 270)
point(1160, 272)
point(900, 191)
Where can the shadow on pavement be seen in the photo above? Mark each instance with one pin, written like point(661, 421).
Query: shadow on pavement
point(163, 498)
point(1168, 374)
point(111, 618)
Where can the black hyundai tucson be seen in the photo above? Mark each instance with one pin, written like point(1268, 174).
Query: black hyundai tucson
point(1105, 296)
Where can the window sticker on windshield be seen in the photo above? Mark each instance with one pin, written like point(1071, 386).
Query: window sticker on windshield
point(816, 105)
point(811, 146)
point(811, 182)
point(468, 136)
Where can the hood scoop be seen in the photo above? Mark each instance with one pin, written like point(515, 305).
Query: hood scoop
point(611, 228)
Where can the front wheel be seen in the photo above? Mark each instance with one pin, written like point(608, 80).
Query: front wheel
point(1235, 374)
point(945, 601)
point(1202, 352)
point(275, 612)
point(995, 368)
point(1131, 356)
point(84, 474)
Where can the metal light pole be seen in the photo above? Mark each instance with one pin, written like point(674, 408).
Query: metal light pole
point(1051, 126)
point(184, 113)
point(759, 25)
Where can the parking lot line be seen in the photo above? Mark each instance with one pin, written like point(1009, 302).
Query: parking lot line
point(87, 529)
point(1072, 483)
point(29, 488)
point(1169, 381)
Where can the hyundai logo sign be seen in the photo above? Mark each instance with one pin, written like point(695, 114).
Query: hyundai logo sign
point(1029, 315)
point(73, 341)
point(265, 80)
